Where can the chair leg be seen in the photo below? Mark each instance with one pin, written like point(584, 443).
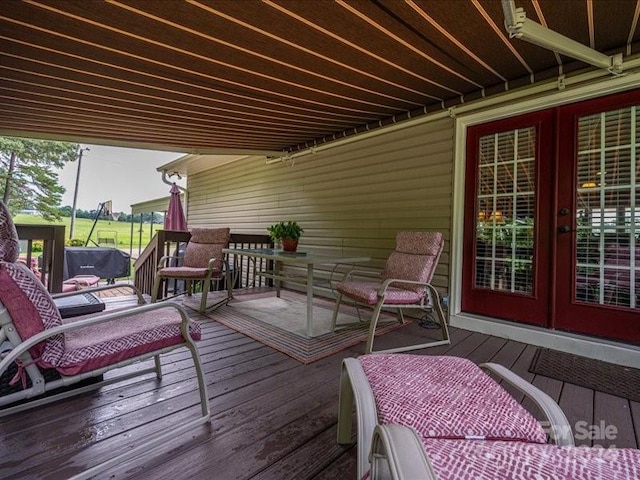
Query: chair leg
point(372, 326)
point(334, 318)
point(446, 340)
point(345, 408)
point(206, 285)
point(156, 288)
point(440, 314)
point(156, 360)
point(169, 434)
point(229, 280)
point(202, 384)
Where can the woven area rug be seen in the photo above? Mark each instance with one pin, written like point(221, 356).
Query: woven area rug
point(291, 314)
point(587, 372)
point(305, 350)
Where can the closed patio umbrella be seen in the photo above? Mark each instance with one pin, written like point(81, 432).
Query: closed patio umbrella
point(174, 219)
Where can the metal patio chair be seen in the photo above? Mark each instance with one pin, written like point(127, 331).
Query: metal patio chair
point(35, 340)
point(203, 261)
point(405, 283)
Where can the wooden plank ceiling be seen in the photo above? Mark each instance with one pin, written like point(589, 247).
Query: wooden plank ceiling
point(272, 75)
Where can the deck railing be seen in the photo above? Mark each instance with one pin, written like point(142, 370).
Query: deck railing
point(170, 243)
point(48, 265)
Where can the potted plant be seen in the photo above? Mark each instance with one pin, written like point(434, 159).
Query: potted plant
point(286, 232)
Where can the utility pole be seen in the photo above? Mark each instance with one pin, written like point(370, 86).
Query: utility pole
point(75, 193)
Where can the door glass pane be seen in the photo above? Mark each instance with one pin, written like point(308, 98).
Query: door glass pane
point(505, 211)
point(607, 256)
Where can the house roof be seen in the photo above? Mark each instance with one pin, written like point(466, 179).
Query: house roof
point(275, 75)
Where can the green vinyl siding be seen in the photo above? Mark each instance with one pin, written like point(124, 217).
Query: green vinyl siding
point(350, 200)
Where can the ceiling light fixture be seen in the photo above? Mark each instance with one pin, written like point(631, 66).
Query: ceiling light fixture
point(519, 26)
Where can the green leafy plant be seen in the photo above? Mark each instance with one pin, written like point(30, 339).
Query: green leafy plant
point(281, 230)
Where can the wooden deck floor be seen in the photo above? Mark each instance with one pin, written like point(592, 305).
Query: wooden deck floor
point(273, 418)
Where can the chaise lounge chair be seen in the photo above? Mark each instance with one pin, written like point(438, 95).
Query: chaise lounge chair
point(398, 453)
point(441, 398)
point(35, 339)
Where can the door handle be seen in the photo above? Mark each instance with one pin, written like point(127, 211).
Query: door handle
point(564, 229)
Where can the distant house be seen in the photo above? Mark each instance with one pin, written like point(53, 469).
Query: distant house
point(28, 212)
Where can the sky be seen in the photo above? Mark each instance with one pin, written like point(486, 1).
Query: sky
point(122, 175)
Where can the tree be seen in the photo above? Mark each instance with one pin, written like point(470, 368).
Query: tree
point(28, 174)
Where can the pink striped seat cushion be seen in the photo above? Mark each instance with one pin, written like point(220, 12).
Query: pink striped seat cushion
point(186, 272)
point(367, 292)
point(32, 310)
point(104, 344)
point(415, 258)
point(488, 460)
point(420, 243)
point(446, 397)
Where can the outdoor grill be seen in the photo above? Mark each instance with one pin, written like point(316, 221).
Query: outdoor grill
point(99, 261)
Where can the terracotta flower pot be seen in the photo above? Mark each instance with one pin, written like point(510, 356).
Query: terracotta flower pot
point(289, 244)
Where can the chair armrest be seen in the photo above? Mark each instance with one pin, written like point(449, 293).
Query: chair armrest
point(163, 260)
point(360, 273)
point(561, 433)
point(397, 454)
point(211, 263)
point(389, 281)
point(347, 276)
point(225, 264)
point(428, 287)
point(141, 300)
point(95, 320)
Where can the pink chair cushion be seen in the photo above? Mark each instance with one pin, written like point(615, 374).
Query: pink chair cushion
point(415, 258)
point(418, 268)
point(9, 244)
point(446, 397)
point(32, 310)
point(185, 272)
point(79, 282)
point(210, 235)
point(69, 287)
point(487, 460)
point(105, 344)
point(367, 293)
point(205, 244)
point(420, 243)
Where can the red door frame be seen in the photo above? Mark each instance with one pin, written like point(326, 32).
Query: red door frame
point(534, 308)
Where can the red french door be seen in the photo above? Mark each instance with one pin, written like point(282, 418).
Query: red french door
point(552, 218)
point(598, 245)
point(507, 211)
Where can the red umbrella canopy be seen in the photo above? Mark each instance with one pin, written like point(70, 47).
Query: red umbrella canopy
point(174, 219)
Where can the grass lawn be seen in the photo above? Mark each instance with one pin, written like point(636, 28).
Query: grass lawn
point(118, 231)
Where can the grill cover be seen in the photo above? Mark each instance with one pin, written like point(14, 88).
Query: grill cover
point(98, 261)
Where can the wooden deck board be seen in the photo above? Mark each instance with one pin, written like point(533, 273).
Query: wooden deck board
point(612, 412)
point(272, 417)
point(635, 415)
point(577, 404)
